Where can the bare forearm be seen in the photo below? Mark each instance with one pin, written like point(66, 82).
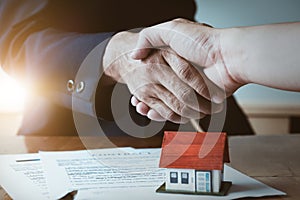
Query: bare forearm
point(267, 55)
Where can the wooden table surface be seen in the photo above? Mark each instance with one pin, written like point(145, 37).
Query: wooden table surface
point(274, 160)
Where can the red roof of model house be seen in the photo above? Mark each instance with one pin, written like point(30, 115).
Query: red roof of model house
point(191, 150)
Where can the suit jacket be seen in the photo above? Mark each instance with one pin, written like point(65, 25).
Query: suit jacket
point(45, 43)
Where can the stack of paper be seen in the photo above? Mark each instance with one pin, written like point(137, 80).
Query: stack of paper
point(124, 173)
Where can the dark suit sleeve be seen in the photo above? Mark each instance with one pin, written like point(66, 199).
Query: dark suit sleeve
point(43, 57)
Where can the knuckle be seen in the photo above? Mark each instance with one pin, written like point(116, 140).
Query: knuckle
point(201, 88)
point(171, 116)
point(140, 91)
point(144, 33)
point(179, 19)
point(174, 22)
point(180, 109)
point(186, 112)
point(177, 106)
point(173, 102)
point(187, 95)
point(143, 96)
point(185, 72)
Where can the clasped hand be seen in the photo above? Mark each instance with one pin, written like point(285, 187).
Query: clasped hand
point(164, 85)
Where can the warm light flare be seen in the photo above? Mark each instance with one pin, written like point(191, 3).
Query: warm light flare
point(12, 94)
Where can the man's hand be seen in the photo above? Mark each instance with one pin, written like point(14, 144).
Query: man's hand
point(164, 81)
point(197, 43)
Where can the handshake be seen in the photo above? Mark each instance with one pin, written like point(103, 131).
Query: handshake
point(168, 70)
point(181, 70)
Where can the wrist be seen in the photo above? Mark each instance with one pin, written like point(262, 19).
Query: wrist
point(233, 55)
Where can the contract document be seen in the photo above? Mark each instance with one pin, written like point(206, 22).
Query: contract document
point(243, 186)
point(128, 174)
point(23, 177)
point(117, 173)
point(105, 169)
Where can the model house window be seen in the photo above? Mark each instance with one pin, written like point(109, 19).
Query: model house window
point(184, 178)
point(173, 177)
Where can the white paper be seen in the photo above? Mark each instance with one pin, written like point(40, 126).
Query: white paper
point(98, 174)
point(243, 186)
point(23, 177)
point(105, 169)
point(109, 174)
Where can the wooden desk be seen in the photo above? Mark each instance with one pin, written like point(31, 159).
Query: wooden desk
point(274, 160)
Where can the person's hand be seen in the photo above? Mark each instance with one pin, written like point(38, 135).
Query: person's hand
point(195, 42)
point(164, 81)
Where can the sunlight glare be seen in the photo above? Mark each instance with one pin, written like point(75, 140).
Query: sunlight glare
point(12, 95)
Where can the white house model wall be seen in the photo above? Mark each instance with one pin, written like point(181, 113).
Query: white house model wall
point(180, 180)
point(190, 180)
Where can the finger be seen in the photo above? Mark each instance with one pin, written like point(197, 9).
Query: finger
point(179, 107)
point(166, 114)
point(169, 99)
point(145, 110)
point(163, 110)
point(187, 103)
point(142, 108)
point(192, 77)
point(153, 115)
point(134, 101)
point(180, 97)
point(143, 50)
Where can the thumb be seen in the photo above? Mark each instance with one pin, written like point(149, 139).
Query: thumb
point(149, 38)
point(143, 49)
point(180, 35)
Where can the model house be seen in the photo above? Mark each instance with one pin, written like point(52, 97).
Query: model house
point(194, 162)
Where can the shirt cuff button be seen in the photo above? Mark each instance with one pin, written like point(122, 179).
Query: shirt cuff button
point(70, 86)
point(80, 86)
